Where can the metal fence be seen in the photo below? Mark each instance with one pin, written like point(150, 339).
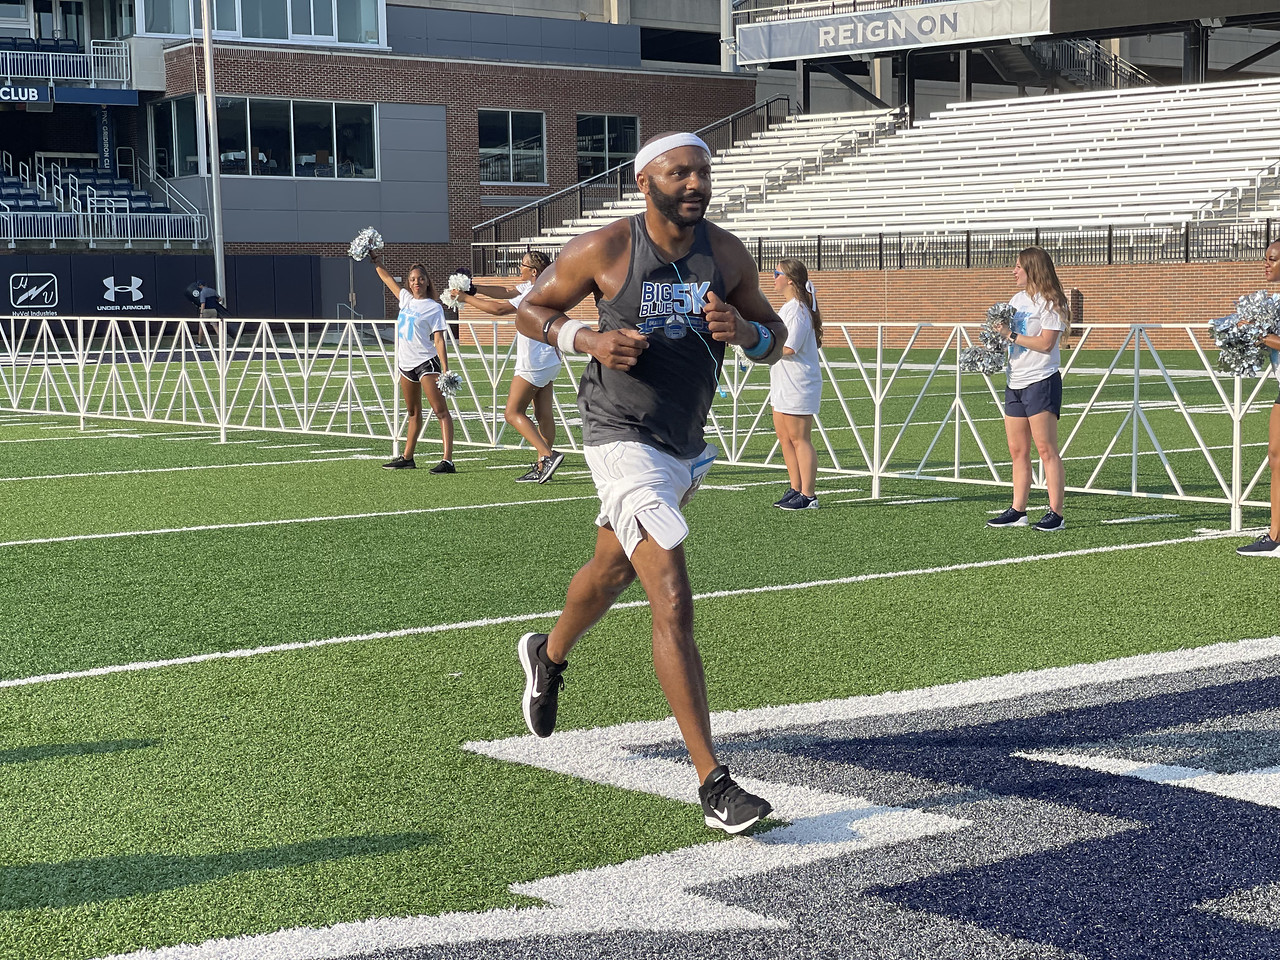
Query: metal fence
point(106, 62)
point(98, 227)
point(1200, 242)
point(1139, 421)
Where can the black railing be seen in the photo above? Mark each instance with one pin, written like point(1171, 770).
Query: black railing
point(1197, 242)
point(612, 185)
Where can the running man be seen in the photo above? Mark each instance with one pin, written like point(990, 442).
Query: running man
point(672, 290)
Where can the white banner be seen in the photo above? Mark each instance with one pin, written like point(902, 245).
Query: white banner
point(900, 28)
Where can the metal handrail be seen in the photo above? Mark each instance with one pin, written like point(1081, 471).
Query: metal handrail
point(172, 197)
point(1092, 63)
point(615, 180)
point(107, 61)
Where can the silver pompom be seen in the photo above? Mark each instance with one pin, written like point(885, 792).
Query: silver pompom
point(457, 283)
point(1238, 336)
point(366, 240)
point(449, 384)
point(989, 354)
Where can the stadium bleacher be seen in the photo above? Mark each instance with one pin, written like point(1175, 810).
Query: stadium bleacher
point(1151, 156)
point(19, 198)
point(94, 184)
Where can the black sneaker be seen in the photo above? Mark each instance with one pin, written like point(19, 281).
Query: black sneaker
point(542, 683)
point(1051, 523)
point(800, 502)
point(444, 466)
point(400, 463)
point(726, 806)
point(531, 476)
point(1264, 546)
point(549, 465)
point(1010, 518)
point(791, 492)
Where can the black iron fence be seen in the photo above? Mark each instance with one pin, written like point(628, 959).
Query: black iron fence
point(1201, 242)
point(610, 186)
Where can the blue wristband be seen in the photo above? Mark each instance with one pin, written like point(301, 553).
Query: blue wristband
point(763, 345)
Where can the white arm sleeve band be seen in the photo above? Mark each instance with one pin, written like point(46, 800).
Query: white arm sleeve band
point(565, 337)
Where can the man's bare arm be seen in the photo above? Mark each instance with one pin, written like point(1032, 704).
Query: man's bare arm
point(566, 283)
point(733, 321)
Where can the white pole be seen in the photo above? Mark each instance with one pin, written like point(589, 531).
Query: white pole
point(215, 207)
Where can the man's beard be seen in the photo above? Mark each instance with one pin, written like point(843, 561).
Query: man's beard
point(668, 204)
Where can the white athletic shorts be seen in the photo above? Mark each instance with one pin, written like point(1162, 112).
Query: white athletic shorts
point(540, 377)
point(642, 488)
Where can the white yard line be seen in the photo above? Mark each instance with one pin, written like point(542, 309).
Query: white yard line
point(248, 524)
point(1149, 516)
point(551, 614)
point(210, 466)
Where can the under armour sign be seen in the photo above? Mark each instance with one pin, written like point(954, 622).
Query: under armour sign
point(133, 288)
point(123, 296)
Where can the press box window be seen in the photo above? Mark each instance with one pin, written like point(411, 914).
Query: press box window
point(512, 147)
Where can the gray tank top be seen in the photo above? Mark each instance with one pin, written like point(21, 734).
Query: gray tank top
point(662, 401)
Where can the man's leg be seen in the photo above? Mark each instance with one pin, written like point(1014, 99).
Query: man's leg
point(676, 660)
point(592, 591)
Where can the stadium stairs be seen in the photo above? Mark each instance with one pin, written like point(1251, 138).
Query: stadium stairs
point(1140, 157)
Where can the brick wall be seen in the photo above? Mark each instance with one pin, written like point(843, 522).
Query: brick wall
point(661, 101)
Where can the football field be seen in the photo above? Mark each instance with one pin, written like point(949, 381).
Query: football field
point(261, 698)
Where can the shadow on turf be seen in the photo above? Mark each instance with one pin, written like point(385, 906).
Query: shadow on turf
point(47, 750)
point(40, 886)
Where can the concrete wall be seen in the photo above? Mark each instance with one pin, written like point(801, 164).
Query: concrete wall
point(510, 39)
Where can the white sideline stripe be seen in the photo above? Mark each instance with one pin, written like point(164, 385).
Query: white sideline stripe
point(1149, 516)
point(660, 891)
point(287, 446)
point(1260, 786)
point(246, 524)
point(209, 466)
point(525, 617)
point(903, 503)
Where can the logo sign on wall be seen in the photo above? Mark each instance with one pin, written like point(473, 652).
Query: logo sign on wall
point(898, 28)
point(123, 293)
point(33, 294)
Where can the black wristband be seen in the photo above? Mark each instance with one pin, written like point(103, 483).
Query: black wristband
point(546, 328)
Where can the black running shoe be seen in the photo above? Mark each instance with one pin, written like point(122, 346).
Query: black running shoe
point(549, 465)
point(1050, 523)
point(542, 683)
point(444, 466)
point(1264, 546)
point(1010, 518)
point(791, 492)
point(726, 806)
point(800, 502)
point(531, 476)
point(400, 463)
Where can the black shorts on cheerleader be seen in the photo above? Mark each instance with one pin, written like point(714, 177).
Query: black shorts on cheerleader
point(424, 369)
point(1035, 398)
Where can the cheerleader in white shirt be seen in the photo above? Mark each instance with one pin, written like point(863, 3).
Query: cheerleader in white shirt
point(537, 365)
point(421, 358)
point(1268, 545)
point(795, 384)
point(1033, 394)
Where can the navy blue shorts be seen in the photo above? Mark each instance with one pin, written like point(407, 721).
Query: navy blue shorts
point(426, 368)
point(1040, 396)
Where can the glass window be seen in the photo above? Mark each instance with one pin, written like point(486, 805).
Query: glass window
point(312, 18)
point(269, 140)
point(356, 150)
point(265, 19)
point(187, 149)
point(313, 154)
point(13, 11)
point(233, 135)
point(167, 16)
point(162, 139)
point(511, 147)
point(605, 142)
point(358, 21)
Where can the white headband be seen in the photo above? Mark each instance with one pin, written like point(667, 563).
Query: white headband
point(651, 151)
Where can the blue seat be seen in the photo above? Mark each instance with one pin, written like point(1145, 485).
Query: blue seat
point(67, 45)
point(25, 44)
point(8, 43)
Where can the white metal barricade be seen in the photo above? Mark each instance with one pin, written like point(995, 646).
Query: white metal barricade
point(894, 402)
